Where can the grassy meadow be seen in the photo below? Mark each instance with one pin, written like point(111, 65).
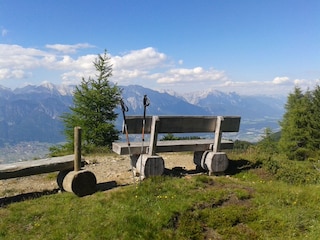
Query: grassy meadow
point(260, 197)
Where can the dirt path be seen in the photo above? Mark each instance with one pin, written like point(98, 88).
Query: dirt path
point(111, 168)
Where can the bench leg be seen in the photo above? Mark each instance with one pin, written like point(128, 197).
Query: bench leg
point(213, 162)
point(81, 182)
point(150, 165)
point(61, 175)
point(133, 161)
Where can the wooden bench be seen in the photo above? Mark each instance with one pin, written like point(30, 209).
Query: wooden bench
point(207, 153)
point(71, 177)
point(34, 167)
point(81, 182)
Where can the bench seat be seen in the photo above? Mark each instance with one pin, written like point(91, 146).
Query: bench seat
point(33, 167)
point(121, 148)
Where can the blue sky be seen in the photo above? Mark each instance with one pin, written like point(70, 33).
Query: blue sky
point(247, 46)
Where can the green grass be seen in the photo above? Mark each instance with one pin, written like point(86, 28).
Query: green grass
point(252, 204)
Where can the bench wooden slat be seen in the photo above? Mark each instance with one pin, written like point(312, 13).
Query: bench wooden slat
point(121, 148)
point(27, 168)
point(183, 124)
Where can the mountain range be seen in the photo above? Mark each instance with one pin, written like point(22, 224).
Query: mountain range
point(32, 113)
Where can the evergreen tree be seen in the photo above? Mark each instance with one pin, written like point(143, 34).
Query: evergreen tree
point(95, 101)
point(268, 143)
point(296, 133)
point(315, 119)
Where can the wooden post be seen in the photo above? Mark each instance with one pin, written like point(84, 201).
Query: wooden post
point(153, 136)
point(77, 149)
point(80, 182)
point(217, 134)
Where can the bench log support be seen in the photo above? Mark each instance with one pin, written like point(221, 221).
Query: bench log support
point(151, 164)
point(213, 161)
point(80, 182)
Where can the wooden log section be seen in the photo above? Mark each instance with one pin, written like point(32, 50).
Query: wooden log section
point(33, 167)
point(213, 162)
point(81, 183)
point(150, 165)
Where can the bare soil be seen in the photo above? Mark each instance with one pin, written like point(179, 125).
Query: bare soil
point(112, 169)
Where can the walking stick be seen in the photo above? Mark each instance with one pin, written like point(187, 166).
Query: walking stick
point(125, 109)
point(146, 103)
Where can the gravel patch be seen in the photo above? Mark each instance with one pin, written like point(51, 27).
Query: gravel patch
point(110, 169)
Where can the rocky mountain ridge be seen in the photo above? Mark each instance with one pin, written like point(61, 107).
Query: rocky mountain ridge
point(32, 113)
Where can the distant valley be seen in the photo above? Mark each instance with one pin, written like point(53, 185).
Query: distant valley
point(31, 113)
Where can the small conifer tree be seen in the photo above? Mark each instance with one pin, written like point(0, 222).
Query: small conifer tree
point(94, 106)
point(295, 134)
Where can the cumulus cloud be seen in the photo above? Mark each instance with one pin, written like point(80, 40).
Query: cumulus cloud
point(191, 75)
point(280, 80)
point(76, 69)
point(124, 75)
point(147, 58)
point(16, 60)
point(73, 77)
point(64, 48)
point(147, 67)
point(138, 66)
point(15, 57)
point(6, 73)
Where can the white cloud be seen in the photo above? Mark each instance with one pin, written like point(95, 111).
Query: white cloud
point(66, 62)
point(74, 77)
point(125, 74)
point(64, 48)
point(76, 69)
point(299, 82)
point(147, 58)
point(192, 75)
point(6, 73)
point(305, 84)
point(147, 67)
point(276, 86)
point(144, 65)
point(280, 80)
point(17, 57)
point(15, 60)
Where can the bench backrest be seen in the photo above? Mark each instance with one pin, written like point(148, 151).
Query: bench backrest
point(183, 124)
